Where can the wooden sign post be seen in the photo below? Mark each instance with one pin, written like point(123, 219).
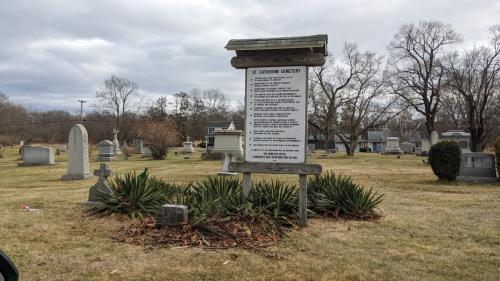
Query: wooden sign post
point(276, 107)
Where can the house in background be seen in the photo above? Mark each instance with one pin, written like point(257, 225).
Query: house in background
point(374, 141)
point(339, 144)
point(215, 126)
point(421, 139)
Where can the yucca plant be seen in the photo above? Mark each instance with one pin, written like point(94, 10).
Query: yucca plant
point(278, 199)
point(135, 195)
point(216, 197)
point(338, 194)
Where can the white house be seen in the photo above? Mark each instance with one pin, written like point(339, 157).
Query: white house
point(214, 126)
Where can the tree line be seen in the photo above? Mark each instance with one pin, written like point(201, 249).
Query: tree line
point(119, 104)
point(425, 81)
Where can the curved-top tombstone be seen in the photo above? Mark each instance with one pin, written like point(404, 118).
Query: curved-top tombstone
point(78, 159)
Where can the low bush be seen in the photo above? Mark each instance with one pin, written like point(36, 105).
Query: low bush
point(365, 149)
point(277, 199)
point(338, 195)
point(218, 199)
point(444, 158)
point(135, 195)
point(215, 197)
point(127, 151)
point(497, 153)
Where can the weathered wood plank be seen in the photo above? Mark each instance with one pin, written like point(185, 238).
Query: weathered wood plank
point(303, 200)
point(247, 184)
point(318, 41)
point(275, 168)
point(310, 59)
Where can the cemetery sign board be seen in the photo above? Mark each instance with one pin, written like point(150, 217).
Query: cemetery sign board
point(276, 108)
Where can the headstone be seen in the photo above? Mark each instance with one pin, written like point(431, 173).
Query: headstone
point(477, 167)
point(425, 147)
point(78, 159)
point(100, 187)
point(63, 147)
point(58, 151)
point(392, 146)
point(21, 145)
point(187, 147)
point(37, 155)
point(434, 137)
point(311, 147)
point(146, 151)
point(459, 136)
point(172, 215)
point(106, 150)
point(138, 145)
point(230, 143)
point(407, 147)
point(116, 143)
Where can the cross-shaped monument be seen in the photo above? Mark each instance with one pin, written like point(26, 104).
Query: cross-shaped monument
point(100, 187)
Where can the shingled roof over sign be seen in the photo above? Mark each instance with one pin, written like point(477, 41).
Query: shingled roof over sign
point(317, 42)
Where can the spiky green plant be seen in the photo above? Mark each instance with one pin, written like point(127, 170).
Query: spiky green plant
point(216, 197)
point(134, 195)
point(338, 194)
point(275, 197)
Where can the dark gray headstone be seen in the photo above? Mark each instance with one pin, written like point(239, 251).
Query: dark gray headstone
point(477, 167)
point(172, 215)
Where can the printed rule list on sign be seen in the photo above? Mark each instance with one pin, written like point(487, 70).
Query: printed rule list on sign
point(276, 114)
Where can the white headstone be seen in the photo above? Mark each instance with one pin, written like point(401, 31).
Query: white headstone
point(36, 155)
point(392, 146)
point(434, 137)
point(116, 142)
point(78, 159)
point(187, 146)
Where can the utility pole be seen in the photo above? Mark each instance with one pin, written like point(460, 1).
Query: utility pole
point(81, 109)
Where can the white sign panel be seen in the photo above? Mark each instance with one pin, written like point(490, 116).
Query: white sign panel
point(275, 122)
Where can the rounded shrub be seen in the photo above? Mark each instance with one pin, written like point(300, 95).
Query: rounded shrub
point(444, 158)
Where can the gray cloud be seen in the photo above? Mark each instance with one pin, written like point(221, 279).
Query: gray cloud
point(54, 52)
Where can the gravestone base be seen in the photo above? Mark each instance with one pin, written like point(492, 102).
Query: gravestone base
point(476, 179)
point(172, 215)
point(106, 158)
point(393, 151)
point(75, 177)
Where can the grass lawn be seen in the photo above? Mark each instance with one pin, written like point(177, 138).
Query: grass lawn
point(430, 230)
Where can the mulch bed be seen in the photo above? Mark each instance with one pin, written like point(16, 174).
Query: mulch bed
point(242, 233)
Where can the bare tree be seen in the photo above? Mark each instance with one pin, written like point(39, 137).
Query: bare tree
point(475, 77)
point(216, 103)
point(159, 137)
point(417, 53)
point(367, 106)
point(120, 97)
point(327, 92)
point(452, 110)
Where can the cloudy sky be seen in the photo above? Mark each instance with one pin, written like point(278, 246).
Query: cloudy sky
point(53, 53)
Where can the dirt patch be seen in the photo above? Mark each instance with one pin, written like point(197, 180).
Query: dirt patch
point(218, 234)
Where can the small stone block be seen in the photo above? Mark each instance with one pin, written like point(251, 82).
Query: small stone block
point(172, 215)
